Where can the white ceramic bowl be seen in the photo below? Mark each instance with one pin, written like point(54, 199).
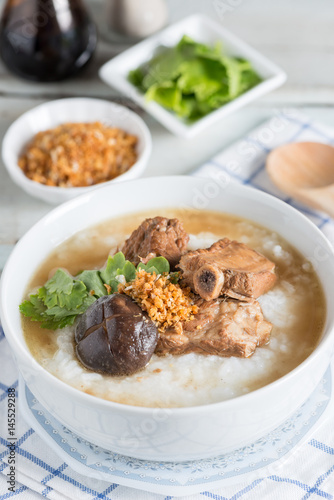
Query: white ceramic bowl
point(78, 109)
point(202, 29)
point(178, 433)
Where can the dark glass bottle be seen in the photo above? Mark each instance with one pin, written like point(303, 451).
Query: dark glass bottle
point(46, 40)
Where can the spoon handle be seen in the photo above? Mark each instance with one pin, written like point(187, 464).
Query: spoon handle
point(319, 198)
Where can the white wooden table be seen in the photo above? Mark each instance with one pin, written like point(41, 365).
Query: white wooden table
point(296, 35)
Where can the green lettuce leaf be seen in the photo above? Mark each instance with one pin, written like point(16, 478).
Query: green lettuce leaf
point(162, 68)
point(201, 77)
point(249, 78)
point(167, 94)
point(192, 79)
point(136, 77)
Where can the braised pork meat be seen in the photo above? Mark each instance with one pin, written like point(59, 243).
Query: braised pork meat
point(221, 327)
point(227, 268)
point(157, 237)
point(225, 278)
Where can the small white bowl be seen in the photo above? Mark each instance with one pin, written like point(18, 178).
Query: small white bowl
point(54, 113)
point(202, 29)
point(171, 433)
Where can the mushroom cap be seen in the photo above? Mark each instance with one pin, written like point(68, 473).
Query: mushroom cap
point(115, 336)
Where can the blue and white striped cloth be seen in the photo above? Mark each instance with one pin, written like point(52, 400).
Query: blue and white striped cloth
point(309, 473)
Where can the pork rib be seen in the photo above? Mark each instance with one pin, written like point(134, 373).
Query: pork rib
point(221, 327)
point(227, 268)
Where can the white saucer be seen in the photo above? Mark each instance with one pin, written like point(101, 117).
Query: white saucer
point(182, 478)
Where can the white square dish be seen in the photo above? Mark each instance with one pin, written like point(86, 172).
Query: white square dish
point(201, 29)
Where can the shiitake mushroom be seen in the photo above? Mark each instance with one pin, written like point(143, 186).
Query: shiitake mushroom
point(115, 336)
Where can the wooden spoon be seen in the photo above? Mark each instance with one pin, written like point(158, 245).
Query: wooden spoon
point(305, 171)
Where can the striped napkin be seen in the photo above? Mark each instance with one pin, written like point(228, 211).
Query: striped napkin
point(309, 473)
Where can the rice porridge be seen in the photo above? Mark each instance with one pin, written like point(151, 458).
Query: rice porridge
point(295, 306)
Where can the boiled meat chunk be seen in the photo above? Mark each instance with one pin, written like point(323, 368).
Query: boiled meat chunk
point(157, 237)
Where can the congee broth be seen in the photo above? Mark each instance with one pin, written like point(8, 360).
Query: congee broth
point(249, 308)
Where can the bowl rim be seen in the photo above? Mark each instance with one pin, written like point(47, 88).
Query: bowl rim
point(166, 117)
point(74, 203)
point(14, 170)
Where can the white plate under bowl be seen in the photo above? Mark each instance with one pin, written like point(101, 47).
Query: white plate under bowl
point(202, 29)
point(78, 109)
point(188, 433)
point(259, 459)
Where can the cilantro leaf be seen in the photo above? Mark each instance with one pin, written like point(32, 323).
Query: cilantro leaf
point(75, 299)
point(174, 277)
point(63, 298)
point(129, 271)
point(93, 282)
point(151, 270)
point(58, 302)
point(114, 263)
point(61, 282)
point(157, 265)
point(49, 300)
point(33, 308)
point(114, 285)
point(52, 324)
